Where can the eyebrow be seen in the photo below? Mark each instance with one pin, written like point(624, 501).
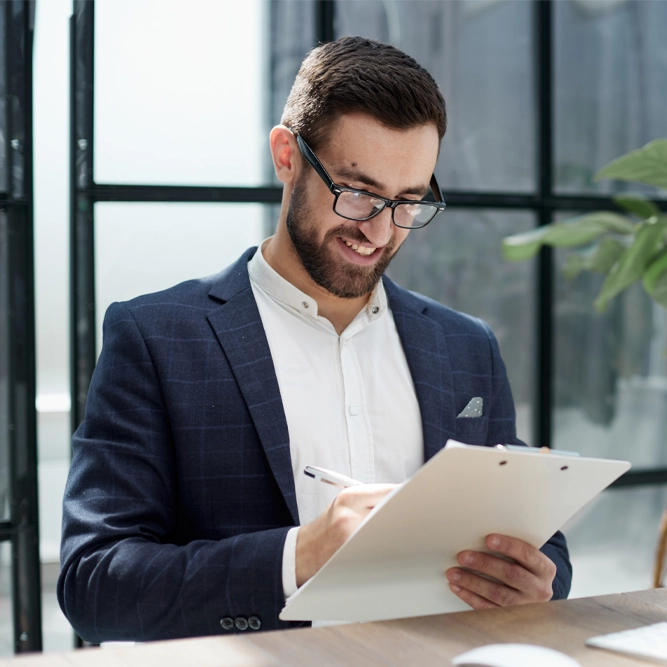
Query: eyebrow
point(359, 176)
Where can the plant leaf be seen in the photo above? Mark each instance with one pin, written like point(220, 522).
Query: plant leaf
point(575, 263)
point(646, 165)
point(569, 234)
point(631, 265)
point(637, 205)
point(519, 247)
point(599, 259)
point(655, 279)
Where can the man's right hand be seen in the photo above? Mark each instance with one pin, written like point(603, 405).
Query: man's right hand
point(318, 540)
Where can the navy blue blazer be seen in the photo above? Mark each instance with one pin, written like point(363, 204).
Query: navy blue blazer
point(181, 491)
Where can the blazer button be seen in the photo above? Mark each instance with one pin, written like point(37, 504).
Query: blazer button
point(241, 623)
point(227, 623)
point(254, 623)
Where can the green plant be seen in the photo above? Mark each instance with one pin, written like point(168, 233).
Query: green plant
point(624, 248)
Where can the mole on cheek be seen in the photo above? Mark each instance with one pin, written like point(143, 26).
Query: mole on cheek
point(354, 164)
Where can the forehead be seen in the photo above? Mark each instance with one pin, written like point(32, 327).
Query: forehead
point(395, 157)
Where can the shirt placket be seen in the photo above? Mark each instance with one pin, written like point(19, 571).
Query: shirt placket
point(362, 461)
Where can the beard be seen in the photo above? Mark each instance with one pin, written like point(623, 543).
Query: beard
point(322, 263)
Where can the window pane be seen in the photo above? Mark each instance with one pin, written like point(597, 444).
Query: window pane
point(481, 55)
point(6, 623)
point(610, 373)
point(611, 86)
point(612, 541)
point(291, 36)
point(457, 261)
point(3, 106)
point(4, 367)
point(179, 91)
point(141, 248)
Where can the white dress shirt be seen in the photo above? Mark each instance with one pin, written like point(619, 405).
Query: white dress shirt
point(349, 400)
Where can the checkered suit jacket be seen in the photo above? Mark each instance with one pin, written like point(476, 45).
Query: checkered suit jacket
point(181, 490)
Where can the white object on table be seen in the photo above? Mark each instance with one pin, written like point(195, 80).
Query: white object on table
point(514, 655)
point(648, 642)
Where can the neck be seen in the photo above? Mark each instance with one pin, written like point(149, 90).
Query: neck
point(281, 256)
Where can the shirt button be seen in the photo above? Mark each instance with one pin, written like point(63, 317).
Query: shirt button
point(241, 623)
point(227, 623)
point(375, 310)
point(305, 304)
point(254, 623)
point(354, 410)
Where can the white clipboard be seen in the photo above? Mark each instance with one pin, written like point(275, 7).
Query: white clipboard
point(393, 565)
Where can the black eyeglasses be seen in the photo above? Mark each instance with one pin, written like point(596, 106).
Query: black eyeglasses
point(361, 205)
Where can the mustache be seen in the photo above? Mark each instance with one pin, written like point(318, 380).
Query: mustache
point(352, 234)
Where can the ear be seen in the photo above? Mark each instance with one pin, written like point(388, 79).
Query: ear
point(285, 154)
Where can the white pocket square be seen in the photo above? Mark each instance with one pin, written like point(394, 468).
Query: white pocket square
point(475, 408)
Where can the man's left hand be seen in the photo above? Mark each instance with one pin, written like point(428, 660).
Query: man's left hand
point(527, 579)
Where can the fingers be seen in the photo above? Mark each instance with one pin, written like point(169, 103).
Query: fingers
point(474, 600)
point(475, 588)
point(527, 577)
point(511, 574)
point(531, 558)
point(319, 539)
point(363, 497)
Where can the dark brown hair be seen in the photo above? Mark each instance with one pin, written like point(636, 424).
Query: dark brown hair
point(355, 74)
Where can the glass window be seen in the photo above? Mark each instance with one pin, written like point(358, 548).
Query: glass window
point(610, 373)
point(183, 101)
point(3, 105)
point(4, 367)
point(456, 260)
point(612, 541)
point(291, 36)
point(141, 248)
point(481, 55)
point(6, 623)
point(610, 86)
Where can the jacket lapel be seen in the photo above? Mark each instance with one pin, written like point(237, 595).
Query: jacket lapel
point(426, 352)
point(238, 327)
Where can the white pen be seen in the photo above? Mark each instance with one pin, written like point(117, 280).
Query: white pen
point(329, 477)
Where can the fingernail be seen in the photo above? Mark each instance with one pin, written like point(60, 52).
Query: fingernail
point(468, 559)
point(494, 542)
point(455, 588)
point(455, 575)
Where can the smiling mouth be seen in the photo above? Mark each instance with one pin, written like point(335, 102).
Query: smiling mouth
point(360, 250)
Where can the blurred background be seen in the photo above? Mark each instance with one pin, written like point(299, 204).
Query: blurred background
point(148, 164)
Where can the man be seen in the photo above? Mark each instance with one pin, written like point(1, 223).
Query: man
point(186, 510)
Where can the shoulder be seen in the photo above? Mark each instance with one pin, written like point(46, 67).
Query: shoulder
point(453, 322)
point(191, 299)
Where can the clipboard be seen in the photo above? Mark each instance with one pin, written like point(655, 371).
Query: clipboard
point(393, 565)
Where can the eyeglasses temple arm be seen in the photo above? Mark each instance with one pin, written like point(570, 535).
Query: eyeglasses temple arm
point(314, 162)
point(436, 189)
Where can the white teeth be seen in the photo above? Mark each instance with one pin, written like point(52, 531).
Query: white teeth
point(360, 249)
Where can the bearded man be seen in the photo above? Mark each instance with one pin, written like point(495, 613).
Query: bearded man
point(186, 510)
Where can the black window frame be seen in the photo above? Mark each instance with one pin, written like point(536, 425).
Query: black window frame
point(19, 433)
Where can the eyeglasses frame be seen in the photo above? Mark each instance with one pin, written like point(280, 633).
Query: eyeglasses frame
point(338, 190)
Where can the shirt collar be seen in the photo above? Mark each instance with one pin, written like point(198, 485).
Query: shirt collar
point(287, 295)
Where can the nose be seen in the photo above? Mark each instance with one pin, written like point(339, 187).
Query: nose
point(379, 229)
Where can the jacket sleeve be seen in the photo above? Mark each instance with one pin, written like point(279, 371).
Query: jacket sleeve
point(122, 576)
point(502, 429)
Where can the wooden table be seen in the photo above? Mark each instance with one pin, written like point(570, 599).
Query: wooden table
point(428, 640)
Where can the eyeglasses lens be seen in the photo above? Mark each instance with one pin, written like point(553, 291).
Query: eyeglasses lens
point(357, 206)
point(360, 206)
point(414, 215)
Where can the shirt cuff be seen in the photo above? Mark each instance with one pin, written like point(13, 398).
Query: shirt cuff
point(289, 563)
